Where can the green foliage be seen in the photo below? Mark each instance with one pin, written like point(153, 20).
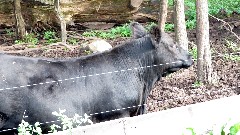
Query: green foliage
point(191, 24)
point(70, 123)
point(73, 41)
point(9, 32)
point(170, 2)
point(215, 6)
point(191, 131)
point(67, 124)
point(29, 38)
point(229, 128)
point(234, 48)
point(228, 6)
point(193, 52)
point(53, 128)
point(232, 45)
point(149, 25)
point(120, 31)
point(19, 41)
point(91, 33)
point(232, 57)
point(234, 129)
point(169, 27)
point(190, 13)
point(123, 31)
point(50, 37)
point(197, 84)
point(26, 129)
point(87, 52)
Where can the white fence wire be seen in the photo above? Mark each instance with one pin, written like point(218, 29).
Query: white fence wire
point(104, 73)
point(122, 70)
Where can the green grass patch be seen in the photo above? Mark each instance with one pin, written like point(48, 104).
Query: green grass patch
point(29, 38)
point(120, 31)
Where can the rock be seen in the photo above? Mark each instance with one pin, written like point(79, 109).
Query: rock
point(136, 3)
point(99, 46)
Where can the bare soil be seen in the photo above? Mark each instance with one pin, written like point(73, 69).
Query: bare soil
point(175, 90)
point(179, 90)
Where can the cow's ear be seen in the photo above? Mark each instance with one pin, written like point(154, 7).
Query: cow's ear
point(155, 33)
point(138, 31)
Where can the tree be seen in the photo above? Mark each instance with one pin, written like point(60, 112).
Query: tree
point(204, 64)
point(19, 21)
point(162, 14)
point(179, 24)
point(62, 21)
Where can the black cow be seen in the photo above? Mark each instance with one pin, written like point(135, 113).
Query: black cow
point(115, 79)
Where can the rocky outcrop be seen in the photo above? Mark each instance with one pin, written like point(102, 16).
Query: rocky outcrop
point(42, 12)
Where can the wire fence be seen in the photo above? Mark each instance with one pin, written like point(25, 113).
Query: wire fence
point(116, 71)
point(130, 107)
point(104, 73)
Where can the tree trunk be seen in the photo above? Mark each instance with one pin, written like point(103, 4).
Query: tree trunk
point(19, 21)
point(179, 24)
point(163, 14)
point(204, 64)
point(62, 22)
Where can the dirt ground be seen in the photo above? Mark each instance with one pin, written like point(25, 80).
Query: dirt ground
point(177, 89)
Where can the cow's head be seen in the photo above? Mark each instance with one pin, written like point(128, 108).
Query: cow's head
point(166, 52)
